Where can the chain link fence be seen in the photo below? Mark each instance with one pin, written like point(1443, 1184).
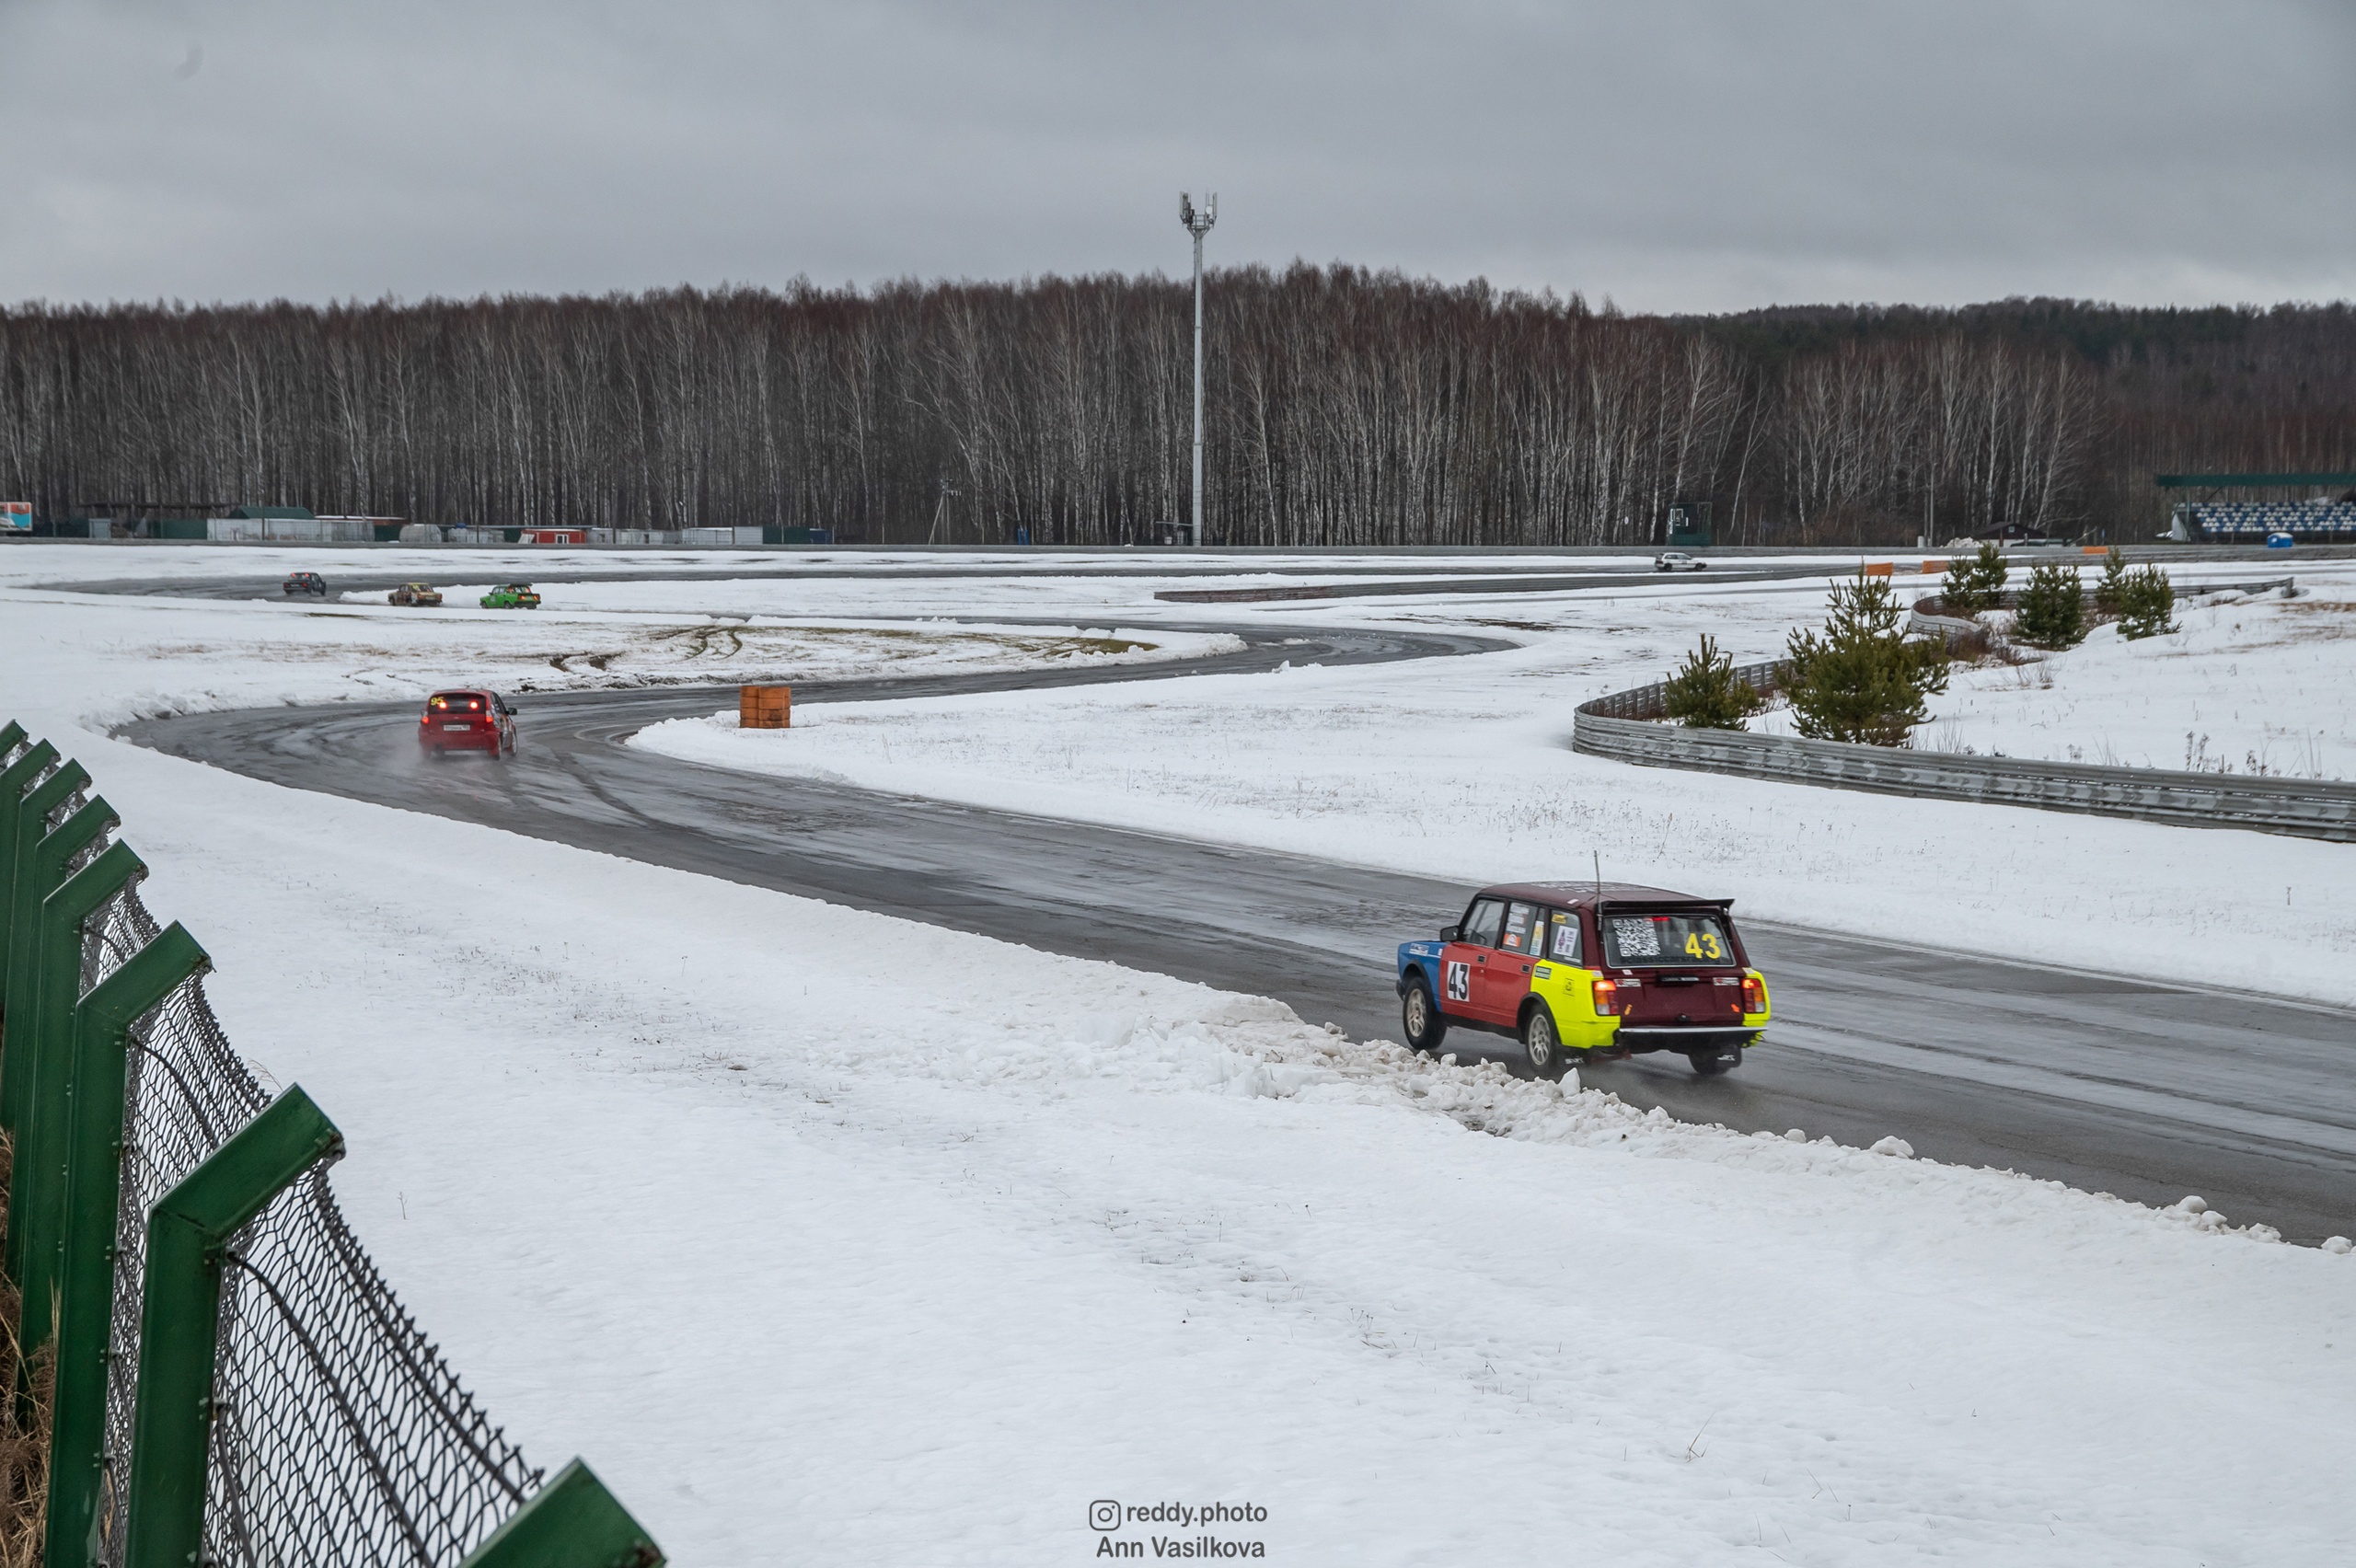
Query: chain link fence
point(341, 1437)
point(335, 1435)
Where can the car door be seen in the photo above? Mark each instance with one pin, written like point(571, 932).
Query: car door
point(1468, 956)
point(1503, 980)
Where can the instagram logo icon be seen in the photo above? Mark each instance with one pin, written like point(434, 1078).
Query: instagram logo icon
point(1104, 1514)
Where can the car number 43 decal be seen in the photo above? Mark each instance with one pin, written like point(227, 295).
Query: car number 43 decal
point(1459, 982)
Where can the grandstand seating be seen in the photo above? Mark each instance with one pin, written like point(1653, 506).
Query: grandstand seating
point(2252, 521)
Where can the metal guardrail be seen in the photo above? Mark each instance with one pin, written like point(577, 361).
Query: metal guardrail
point(1624, 727)
point(1922, 623)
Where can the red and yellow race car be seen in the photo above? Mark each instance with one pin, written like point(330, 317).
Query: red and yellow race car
point(1581, 971)
point(472, 719)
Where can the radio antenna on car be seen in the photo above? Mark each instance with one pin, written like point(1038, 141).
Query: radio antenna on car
point(1598, 879)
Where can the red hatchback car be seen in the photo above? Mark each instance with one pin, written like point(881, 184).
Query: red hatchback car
point(466, 721)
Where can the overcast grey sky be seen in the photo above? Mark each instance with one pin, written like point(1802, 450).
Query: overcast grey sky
point(1675, 154)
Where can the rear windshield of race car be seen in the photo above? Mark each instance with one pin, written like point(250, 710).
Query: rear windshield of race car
point(457, 702)
point(1681, 938)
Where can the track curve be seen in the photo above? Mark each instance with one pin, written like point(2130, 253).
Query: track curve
point(2145, 1090)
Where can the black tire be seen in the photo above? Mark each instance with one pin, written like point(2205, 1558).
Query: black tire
point(1715, 1063)
point(1420, 1017)
point(1542, 1044)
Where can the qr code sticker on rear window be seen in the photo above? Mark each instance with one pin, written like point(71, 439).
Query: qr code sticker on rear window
point(1636, 939)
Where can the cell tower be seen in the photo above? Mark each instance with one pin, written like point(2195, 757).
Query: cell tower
point(1198, 222)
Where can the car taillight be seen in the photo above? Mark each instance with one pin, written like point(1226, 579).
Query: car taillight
point(1607, 999)
point(1754, 994)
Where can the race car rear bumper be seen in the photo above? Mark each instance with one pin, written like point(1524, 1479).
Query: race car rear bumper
point(1634, 1038)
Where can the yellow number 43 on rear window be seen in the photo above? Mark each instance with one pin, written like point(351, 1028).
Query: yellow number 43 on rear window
point(1704, 944)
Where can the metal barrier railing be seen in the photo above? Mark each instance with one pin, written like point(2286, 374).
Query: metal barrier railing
point(1624, 726)
point(235, 1381)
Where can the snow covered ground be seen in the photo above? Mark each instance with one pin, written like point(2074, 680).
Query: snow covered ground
point(2250, 684)
point(149, 656)
point(832, 1238)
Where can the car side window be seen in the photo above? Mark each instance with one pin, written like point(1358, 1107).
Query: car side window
point(1562, 936)
point(1521, 927)
point(1481, 926)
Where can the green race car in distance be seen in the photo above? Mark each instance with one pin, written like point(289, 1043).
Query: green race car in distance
point(511, 597)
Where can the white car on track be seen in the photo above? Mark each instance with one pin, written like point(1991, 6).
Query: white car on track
point(1676, 560)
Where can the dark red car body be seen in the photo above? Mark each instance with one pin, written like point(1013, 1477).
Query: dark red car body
point(467, 719)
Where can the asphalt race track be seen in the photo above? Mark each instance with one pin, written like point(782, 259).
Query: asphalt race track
point(2148, 1090)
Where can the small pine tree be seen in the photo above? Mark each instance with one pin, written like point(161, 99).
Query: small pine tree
point(1862, 680)
point(1972, 584)
point(2052, 611)
point(1706, 693)
point(2147, 603)
point(2111, 588)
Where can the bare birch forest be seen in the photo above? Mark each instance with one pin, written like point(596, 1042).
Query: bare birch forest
point(1346, 408)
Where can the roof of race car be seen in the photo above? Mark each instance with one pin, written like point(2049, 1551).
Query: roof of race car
point(1580, 894)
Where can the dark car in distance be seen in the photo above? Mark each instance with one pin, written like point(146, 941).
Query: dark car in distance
point(304, 582)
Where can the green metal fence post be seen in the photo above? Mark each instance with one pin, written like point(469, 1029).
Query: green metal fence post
point(43, 866)
point(86, 1276)
point(180, 1319)
point(572, 1522)
point(36, 1057)
point(39, 875)
point(31, 826)
point(10, 733)
point(15, 780)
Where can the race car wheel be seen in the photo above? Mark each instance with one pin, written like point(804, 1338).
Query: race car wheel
point(1713, 1063)
point(1420, 1017)
point(1542, 1044)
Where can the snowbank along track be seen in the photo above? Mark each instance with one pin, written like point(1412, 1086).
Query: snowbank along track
point(2151, 1090)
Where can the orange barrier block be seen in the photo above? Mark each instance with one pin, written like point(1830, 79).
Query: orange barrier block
point(1932, 568)
point(764, 707)
point(2094, 549)
point(1876, 568)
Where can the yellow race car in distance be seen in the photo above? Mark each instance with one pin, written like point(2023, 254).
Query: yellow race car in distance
point(414, 593)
